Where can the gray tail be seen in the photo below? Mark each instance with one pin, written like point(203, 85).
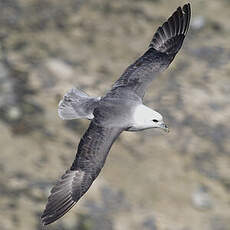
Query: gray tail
point(77, 104)
point(170, 36)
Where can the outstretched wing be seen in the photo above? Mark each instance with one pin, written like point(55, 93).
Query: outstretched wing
point(164, 46)
point(90, 158)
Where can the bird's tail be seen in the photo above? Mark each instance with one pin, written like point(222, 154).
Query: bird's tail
point(77, 104)
point(169, 37)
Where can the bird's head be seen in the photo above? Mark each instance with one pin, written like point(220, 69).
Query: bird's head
point(146, 118)
point(157, 121)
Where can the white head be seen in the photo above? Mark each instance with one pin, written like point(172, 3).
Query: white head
point(158, 122)
point(146, 118)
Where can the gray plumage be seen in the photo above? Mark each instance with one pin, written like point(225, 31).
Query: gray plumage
point(77, 104)
point(164, 46)
point(121, 109)
point(92, 151)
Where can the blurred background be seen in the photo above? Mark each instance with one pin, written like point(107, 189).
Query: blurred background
point(151, 180)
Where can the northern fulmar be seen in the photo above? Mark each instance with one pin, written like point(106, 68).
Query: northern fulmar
point(121, 109)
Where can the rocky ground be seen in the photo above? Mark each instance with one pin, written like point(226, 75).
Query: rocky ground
point(151, 180)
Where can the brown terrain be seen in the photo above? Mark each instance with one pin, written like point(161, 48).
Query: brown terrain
point(151, 180)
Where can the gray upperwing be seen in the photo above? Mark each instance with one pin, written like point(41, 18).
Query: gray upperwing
point(164, 46)
point(90, 158)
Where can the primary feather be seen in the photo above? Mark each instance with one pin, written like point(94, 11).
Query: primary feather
point(164, 46)
point(90, 158)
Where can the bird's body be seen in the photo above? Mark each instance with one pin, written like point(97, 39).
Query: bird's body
point(121, 109)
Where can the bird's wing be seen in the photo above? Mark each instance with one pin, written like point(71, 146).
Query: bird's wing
point(164, 46)
point(90, 158)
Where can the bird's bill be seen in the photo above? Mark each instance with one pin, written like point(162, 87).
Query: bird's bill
point(164, 127)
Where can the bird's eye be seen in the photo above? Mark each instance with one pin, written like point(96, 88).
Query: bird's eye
point(154, 120)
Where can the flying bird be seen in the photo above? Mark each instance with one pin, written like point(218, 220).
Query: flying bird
point(121, 109)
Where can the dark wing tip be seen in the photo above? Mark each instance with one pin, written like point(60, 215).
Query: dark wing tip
point(169, 37)
point(90, 158)
point(187, 10)
point(48, 219)
point(60, 200)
